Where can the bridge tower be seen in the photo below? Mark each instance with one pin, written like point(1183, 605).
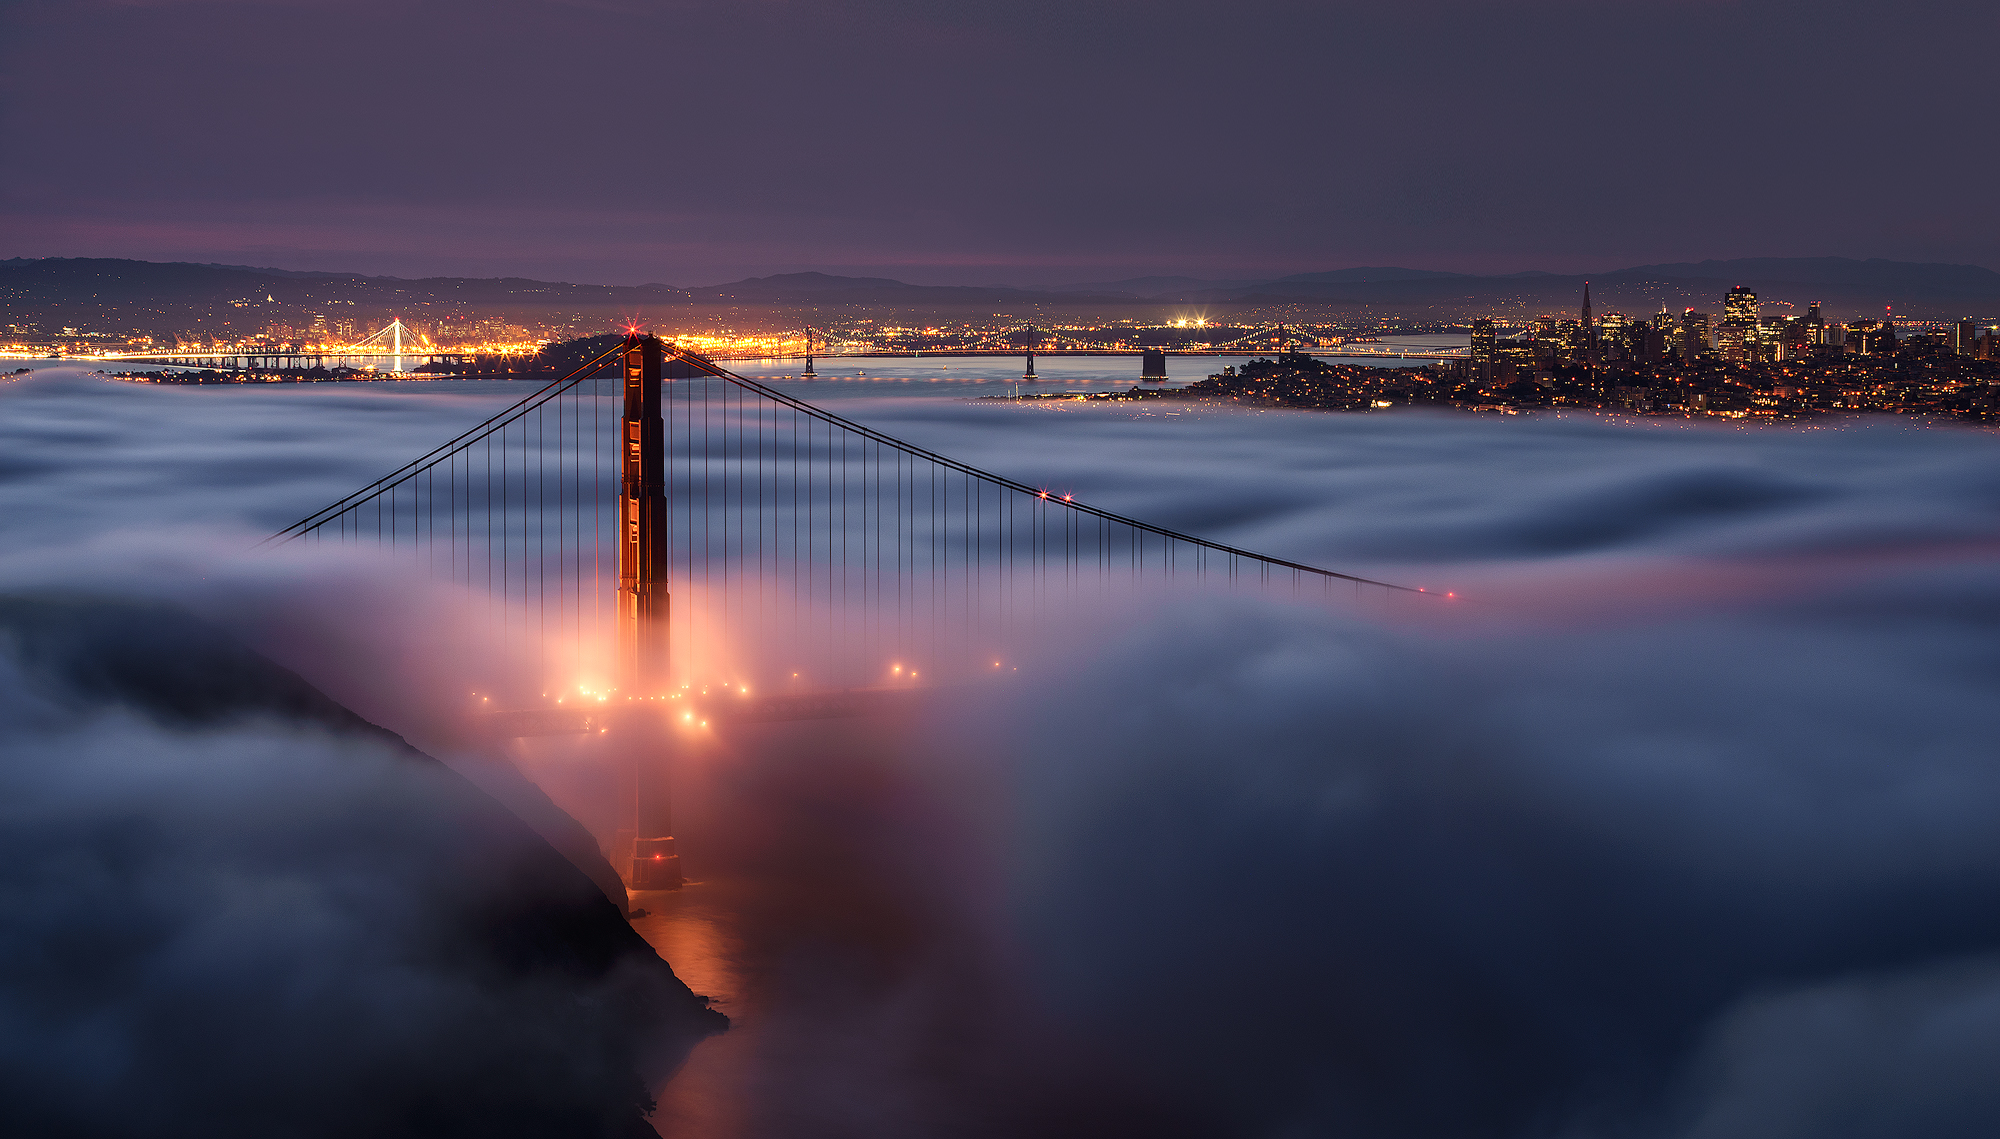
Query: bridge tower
point(809, 373)
point(643, 602)
point(645, 846)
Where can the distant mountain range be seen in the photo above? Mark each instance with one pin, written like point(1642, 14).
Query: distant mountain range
point(107, 281)
point(1847, 285)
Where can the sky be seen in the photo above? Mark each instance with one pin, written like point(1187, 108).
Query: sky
point(1681, 830)
point(1014, 142)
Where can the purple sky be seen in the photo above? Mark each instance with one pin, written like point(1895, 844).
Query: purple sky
point(1015, 141)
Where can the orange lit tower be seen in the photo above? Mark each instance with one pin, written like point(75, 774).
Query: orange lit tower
point(643, 611)
point(643, 603)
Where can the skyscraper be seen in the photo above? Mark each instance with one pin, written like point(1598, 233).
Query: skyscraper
point(1964, 337)
point(1795, 339)
point(1737, 338)
point(1740, 307)
point(1652, 346)
point(1815, 325)
point(1587, 331)
point(1482, 350)
point(1694, 334)
point(1734, 342)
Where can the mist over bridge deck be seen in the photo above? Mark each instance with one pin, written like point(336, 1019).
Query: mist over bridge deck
point(679, 544)
point(754, 501)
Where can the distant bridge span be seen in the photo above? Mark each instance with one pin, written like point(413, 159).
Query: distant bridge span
point(957, 353)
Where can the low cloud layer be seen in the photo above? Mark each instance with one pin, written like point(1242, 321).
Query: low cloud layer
point(1653, 879)
point(1681, 829)
point(236, 909)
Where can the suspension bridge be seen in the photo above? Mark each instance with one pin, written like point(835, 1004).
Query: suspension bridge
point(683, 546)
point(394, 344)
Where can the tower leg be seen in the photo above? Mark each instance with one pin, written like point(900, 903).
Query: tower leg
point(643, 849)
point(647, 858)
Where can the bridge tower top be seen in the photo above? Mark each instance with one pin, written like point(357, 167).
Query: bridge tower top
point(643, 602)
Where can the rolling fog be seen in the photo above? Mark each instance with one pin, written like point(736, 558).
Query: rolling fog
point(1678, 824)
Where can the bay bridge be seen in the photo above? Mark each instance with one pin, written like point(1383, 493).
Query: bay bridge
point(682, 547)
point(396, 345)
point(385, 345)
point(1040, 341)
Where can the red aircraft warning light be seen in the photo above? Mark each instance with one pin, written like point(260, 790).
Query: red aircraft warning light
point(655, 864)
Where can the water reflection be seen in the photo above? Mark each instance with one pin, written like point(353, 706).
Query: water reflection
point(847, 917)
point(709, 1094)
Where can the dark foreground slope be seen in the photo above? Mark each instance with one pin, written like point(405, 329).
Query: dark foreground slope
point(236, 908)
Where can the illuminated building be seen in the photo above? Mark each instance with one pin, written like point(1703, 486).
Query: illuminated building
point(1734, 342)
point(1613, 333)
point(1791, 339)
point(1651, 342)
point(1736, 338)
point(1740, 307)
point(1964, 337)
point(1871, 338)
point(1482, 349)
point(1587, 330)
point(1694, 334)
point(1815, 325)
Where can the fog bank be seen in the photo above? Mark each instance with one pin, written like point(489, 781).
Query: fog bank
point(1678, 826)
point(235, 908)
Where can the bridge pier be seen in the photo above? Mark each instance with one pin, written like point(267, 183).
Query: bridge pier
point(643, 850)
